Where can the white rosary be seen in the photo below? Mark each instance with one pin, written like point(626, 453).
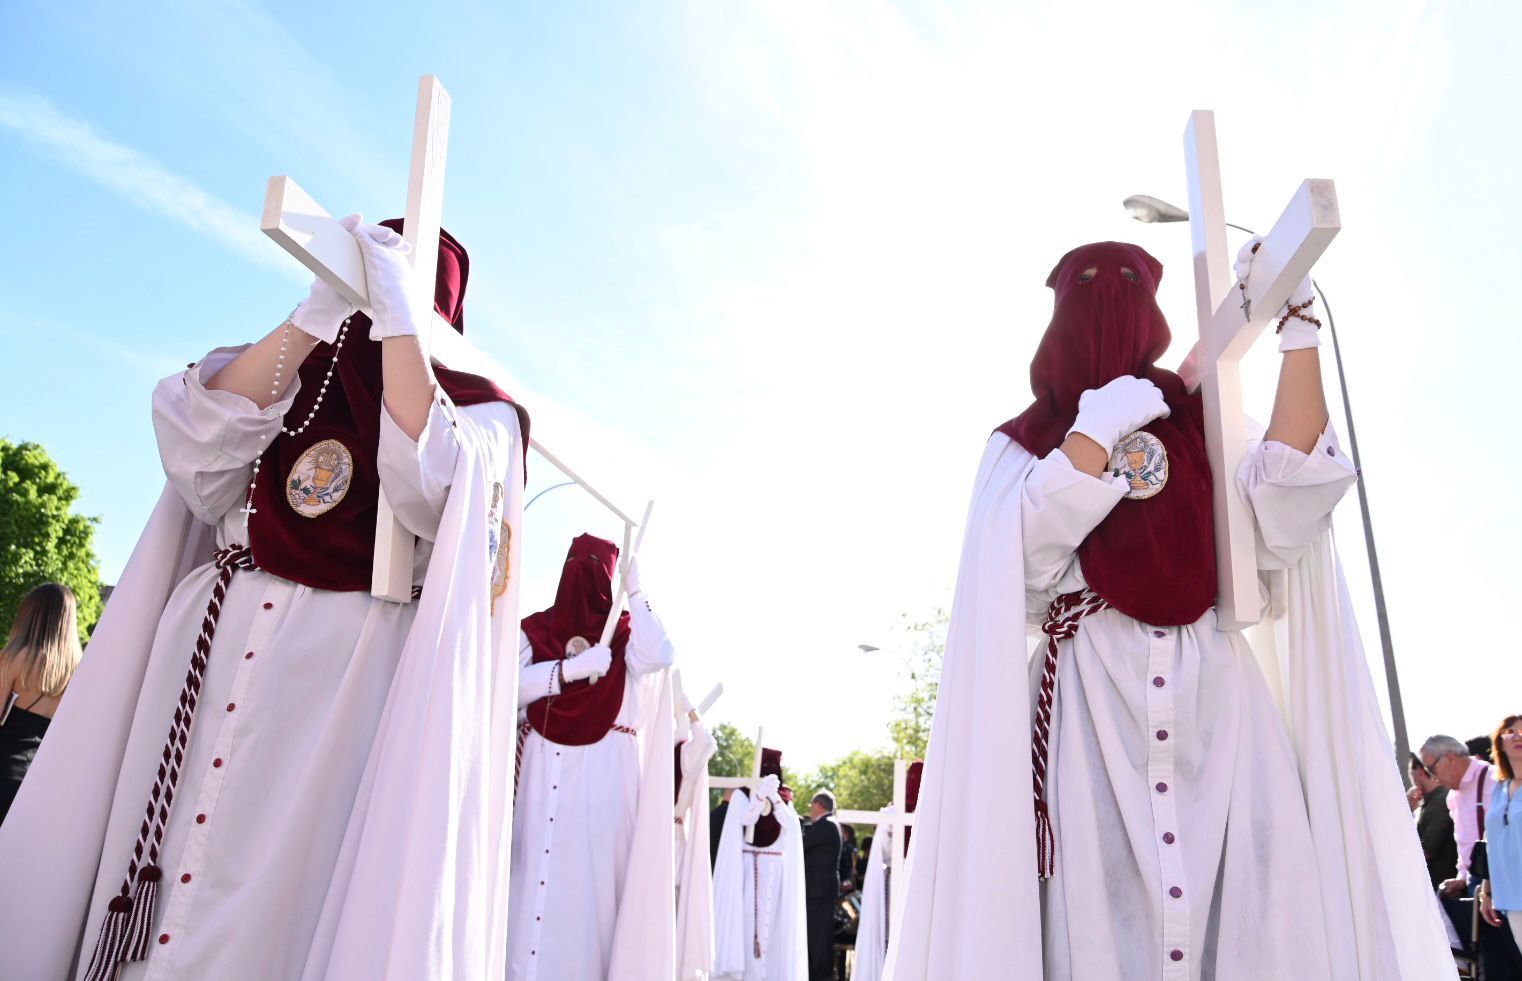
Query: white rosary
point(285, 339)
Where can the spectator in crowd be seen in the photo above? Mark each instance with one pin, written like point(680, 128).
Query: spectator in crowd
point(848, 859)
point(822, 844)
point(1470, 790)
point(35, 667)
point(1434, 825)
point(1501, 895)
point(864, 856)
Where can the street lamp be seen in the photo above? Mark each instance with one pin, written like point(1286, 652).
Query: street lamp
point(1145, 208)
point(537, 496)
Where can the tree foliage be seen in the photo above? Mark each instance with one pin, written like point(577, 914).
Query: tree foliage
point(40, 540)
point(909, 731)
point(861, 780)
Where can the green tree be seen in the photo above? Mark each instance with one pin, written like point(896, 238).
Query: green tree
point(860, 781)
point(40, 540)
point(910, 730)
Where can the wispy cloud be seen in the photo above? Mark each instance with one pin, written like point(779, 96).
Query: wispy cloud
point(143, 181)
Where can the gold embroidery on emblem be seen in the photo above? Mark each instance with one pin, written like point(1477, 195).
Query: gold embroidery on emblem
point(501, 544)
point(320, 478)
point(1143, 461)
point(500, 573)
point(575, 646)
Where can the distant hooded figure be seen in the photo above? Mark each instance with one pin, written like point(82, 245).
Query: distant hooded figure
point(760, 931)
point(583, 781)
point(262, 771)
point(1154, 816)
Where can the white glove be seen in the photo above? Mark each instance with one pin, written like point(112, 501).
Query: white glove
point(1243, 266)
point(761, 798)
point(1119, 409)
point(1297, 334)
point(394, 310)
point(593, 660)
point(324, 311)
point(631, 579)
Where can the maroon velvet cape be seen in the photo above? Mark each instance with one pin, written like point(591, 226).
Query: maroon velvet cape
point(768, 828)
point(336, 550)
point(583, 712)
point(912, 791)
point(1153, 559)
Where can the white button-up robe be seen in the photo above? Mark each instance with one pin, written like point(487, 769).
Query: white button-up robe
point(1183, 846)
point(1202, 829)
point(290, 705)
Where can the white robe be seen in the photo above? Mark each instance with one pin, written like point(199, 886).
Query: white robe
point(1287, 835)
point(575, 834)
point(694, 875)
point(340, 812)
point(872, 934)
point(748, 881)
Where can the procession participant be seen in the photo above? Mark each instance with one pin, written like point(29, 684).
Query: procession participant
point(582, 782)
point(328, 802)
point(877, 897)
point(758, 890)
point(1174, 811)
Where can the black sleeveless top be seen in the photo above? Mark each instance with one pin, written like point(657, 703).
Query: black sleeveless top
point(20, 735)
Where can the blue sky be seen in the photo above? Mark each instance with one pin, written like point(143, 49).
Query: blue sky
point(780, 267)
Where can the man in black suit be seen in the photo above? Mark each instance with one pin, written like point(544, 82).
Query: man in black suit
point(821, 883)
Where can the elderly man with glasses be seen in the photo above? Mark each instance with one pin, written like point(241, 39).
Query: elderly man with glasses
point(1469, 784)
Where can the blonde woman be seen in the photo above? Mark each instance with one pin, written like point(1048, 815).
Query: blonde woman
point(35, 667)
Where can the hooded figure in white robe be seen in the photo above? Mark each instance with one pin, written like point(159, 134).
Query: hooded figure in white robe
point(1184, 825)
point(760, 933)
point(593, 861)
point(332, 800)
point(878, 897)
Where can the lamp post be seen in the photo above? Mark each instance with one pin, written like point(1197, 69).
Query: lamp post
point(1145, 208)
point(566, 483)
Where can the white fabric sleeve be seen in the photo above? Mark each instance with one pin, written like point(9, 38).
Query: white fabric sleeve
point(535, 681)
point(1059, 506)
point(208, 440)
point(1292, 494)
point(649, 647)
point(415, 474)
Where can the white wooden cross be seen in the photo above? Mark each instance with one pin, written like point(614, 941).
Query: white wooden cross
point(313, 236)
point(746, 784)
point(898, 821)
point(1299, 237)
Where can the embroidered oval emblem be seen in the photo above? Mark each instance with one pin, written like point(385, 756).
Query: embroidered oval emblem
point(1143, 461)
point(320, 478)
point(576, 645)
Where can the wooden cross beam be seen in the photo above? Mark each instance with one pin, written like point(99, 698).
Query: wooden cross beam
point(899, 821)
point(1228, 327)
point(305, 230)
point(746, 784)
